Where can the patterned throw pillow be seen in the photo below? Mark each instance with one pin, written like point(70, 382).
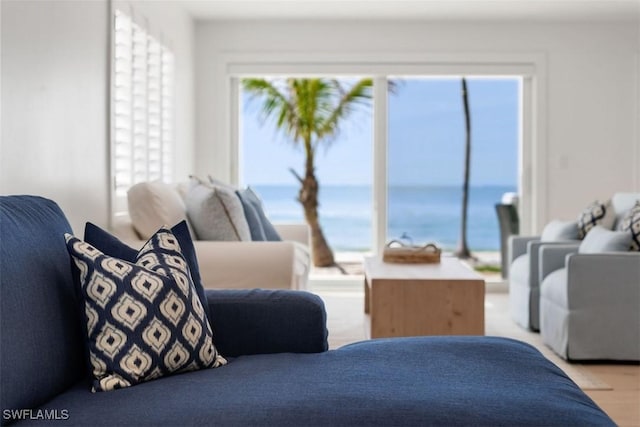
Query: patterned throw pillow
point(110, 245)
point(631, 222)
point(596, 213)
point(144, 319)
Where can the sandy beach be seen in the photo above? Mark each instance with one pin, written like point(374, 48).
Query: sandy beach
point(351, 262)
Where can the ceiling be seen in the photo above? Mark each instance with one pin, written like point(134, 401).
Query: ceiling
point(425, 10)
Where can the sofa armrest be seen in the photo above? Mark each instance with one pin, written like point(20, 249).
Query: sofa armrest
point(264, 321)
point(247, 265)
point(552, 257)
point(606, 281)
point(294, 232)
point(518, 246)
point(533, 249)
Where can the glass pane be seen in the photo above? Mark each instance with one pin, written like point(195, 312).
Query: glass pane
point(342, 166)
point(426, 158)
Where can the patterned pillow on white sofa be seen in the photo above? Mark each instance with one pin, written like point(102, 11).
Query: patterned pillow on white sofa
point(631, 222)
point(597, 213)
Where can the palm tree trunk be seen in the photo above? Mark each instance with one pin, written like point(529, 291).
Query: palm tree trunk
point(463, 249)
point(308, 197)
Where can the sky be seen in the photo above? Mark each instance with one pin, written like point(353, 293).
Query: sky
point(426, 138)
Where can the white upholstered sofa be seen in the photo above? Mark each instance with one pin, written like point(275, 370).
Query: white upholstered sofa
point(223, 264)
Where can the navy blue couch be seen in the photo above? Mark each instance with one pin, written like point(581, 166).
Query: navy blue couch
point(279, 370)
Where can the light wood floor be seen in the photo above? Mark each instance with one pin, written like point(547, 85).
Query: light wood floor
point(346, 322)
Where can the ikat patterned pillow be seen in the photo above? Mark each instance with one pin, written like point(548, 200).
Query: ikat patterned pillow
point(597, 213)
point(144, 319)
point(631, 222)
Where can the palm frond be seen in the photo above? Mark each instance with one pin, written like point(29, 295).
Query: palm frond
point(309, 110)
point(358, 94)
point(276, 105)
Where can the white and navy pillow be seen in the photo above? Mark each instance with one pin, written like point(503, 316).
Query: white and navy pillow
point(144, 320)
point(597, 213)
point(631, 223)
point(110, 245)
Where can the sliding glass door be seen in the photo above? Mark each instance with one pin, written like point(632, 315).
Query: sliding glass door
point(395, 169)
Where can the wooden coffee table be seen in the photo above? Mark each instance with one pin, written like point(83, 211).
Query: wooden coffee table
point(423, 299)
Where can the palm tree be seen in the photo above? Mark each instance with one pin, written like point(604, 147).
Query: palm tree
point(308, 111)
point(463, 249)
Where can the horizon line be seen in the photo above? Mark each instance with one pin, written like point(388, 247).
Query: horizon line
point(321, 184)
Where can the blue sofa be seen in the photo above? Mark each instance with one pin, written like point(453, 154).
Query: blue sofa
point(279, 372)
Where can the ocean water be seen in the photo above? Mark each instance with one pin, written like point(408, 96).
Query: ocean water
point(425, 214)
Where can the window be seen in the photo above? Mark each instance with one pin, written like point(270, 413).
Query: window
point(424, 163)
point(142, 106)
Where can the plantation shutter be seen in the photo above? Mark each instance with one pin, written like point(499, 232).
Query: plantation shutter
point(142, 102)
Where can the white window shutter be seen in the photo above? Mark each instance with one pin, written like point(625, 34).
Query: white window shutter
point(142, 103)
point(166, 111)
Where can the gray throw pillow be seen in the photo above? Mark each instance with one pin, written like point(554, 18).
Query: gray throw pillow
point(599, 239)
point(253, 219)
point(558, 230)
point(216, 213)
point(269, 230)
point(234, 211)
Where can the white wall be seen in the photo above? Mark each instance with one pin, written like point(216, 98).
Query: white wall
point(590, 101)
point(55, 101)
point(638, 108)
point(55, 105)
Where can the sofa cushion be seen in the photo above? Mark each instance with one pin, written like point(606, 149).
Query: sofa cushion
point(597, 213)
point(519, 271)
point(631, 222)
point(554, 288)
point(252, 198)
point(448, 381)
point(599, 239)
point(216, 213)
point(110, 245)
point(143, 320)
point(558, 230)
point(152, 205)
